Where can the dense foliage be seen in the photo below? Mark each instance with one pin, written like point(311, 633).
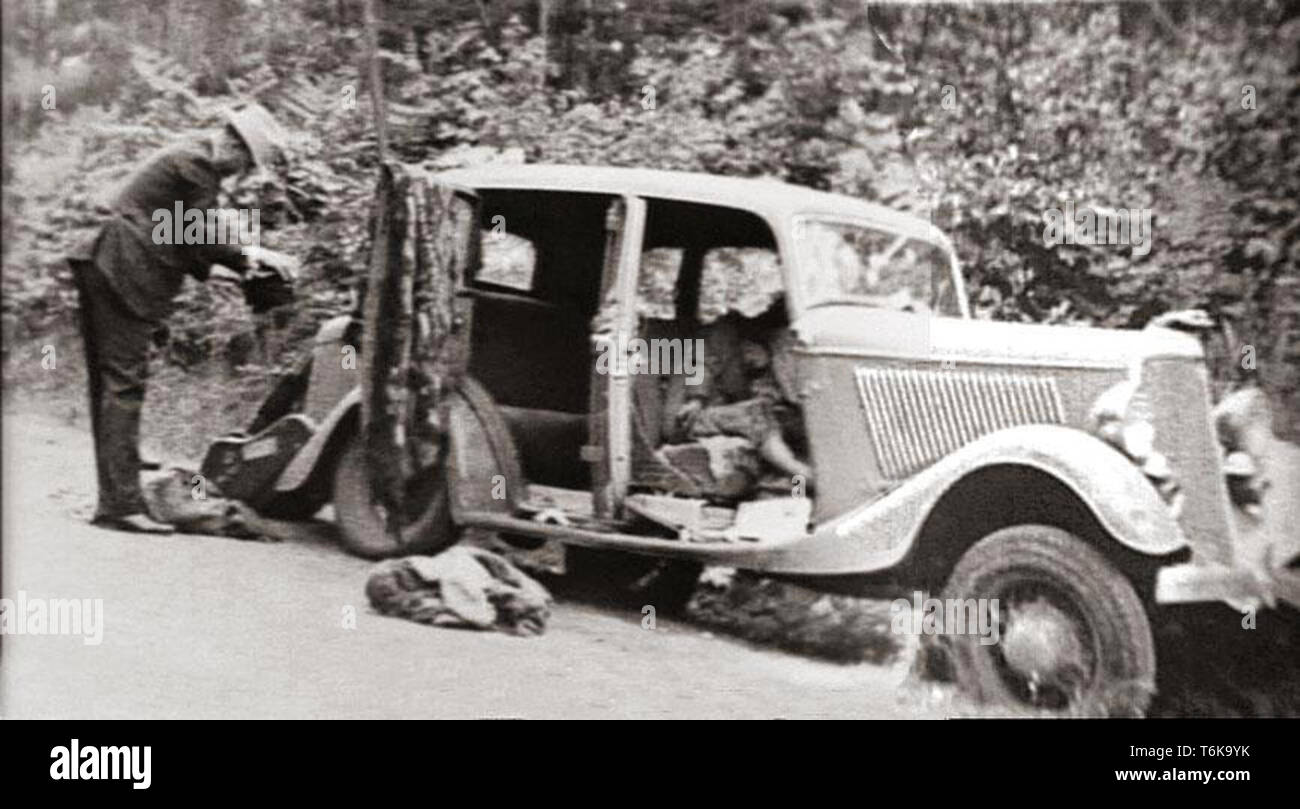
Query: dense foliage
point(982, 117)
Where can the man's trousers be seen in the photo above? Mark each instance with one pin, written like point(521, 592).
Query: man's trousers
point(117, 359)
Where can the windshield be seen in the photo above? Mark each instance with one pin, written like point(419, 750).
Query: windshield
point(843, 261)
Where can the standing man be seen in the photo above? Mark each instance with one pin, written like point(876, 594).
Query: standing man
point(130, 271)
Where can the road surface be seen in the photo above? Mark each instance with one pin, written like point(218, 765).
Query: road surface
point(203, 627)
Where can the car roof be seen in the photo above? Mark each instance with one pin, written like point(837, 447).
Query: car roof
point(772, 199)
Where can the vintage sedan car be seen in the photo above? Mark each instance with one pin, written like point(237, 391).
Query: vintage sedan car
point(1072, 476)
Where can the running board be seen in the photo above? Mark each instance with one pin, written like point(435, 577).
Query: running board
point(735, 554)
point(574, 503)
point(692, 520)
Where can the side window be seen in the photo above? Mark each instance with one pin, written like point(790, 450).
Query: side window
point(546, 245)
point(746, 280)
point(706, 260)
point(656, 287)
point(508, 260)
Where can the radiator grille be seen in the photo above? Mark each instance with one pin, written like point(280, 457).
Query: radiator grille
point(916, 416)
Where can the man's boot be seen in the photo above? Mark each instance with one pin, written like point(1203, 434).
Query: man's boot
point(132, 523)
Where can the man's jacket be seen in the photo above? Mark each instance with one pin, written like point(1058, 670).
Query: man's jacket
point(145, 274)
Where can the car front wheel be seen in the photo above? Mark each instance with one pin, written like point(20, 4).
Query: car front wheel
point(1061, 630)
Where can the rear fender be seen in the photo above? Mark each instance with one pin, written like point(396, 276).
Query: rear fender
point(485, 467)
point(484, 462)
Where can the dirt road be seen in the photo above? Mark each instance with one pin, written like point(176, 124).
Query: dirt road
point(214, 628)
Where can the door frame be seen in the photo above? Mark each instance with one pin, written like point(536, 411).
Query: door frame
point(610, 443)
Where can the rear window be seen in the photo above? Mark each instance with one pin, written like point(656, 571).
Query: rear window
point(508, 260)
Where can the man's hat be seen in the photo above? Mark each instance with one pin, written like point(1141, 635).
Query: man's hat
point(259, 131)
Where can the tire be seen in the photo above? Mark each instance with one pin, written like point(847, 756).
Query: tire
point(361, 526)
point(1073, 637)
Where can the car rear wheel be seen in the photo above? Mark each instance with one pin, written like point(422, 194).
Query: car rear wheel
point(427, 526)
point(1072, 635)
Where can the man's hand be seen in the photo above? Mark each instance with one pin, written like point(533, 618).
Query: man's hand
point(282, 264)
point(689, 408)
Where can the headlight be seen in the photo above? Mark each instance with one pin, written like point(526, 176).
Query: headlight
point(1138, 440)
point(1156, 466)
point(1239, 465)
point(1246, 486)
point(1243, 420)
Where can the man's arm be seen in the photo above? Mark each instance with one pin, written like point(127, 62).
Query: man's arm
point(228, 241)
point(231, 256)
point(196, 181)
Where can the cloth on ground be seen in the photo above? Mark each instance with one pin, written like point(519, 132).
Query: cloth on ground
point(194, 505)
point(462, 586)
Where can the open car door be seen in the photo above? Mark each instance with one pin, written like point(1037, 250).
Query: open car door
point(425, 240)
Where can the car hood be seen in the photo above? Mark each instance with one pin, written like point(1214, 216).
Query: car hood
point(857, 329)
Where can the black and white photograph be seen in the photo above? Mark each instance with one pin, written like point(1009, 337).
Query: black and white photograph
point(651, 359)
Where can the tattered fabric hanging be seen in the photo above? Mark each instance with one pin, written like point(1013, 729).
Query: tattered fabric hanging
point(424, 233)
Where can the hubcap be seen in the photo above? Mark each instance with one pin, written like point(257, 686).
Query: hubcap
point(1040, 640)
point(1046, 652)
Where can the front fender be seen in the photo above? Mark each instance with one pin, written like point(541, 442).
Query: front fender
point(300, 469)
point(880, 534)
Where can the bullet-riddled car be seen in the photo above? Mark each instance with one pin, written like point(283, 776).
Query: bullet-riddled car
point(1073, 477)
